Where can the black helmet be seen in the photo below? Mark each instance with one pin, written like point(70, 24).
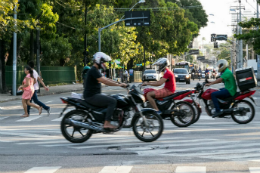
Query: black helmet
point(162, 63)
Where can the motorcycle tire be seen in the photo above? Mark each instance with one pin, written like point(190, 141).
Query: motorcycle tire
point(64, 128)
point(252, 108)
point(198, 113)
point(148, 116)
point(178, 121)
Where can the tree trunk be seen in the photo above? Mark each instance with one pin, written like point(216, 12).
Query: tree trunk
point(31, 46)
point(2, 67)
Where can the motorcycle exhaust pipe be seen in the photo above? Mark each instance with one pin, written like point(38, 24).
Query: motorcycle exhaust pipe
point(84, 125)
point(235, 110)
point(172, 112)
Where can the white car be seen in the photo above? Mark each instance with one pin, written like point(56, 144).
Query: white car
point(151, 75)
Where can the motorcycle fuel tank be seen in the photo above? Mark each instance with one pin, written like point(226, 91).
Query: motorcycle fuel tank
point(207, 94)
point(122, 101)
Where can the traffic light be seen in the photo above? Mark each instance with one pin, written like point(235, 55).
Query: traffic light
point(213, 37)
point(215, 44)
point(191, 45)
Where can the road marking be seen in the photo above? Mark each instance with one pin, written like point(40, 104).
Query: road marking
point(57, 119)
point(254, 169)
point(48, 101)
point(29, 118)
point(254, 160)
point(190, 169)
point(1, 118)
point(43, 169)
point(116, 169)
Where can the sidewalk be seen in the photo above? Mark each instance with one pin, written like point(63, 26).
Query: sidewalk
point(53, 90)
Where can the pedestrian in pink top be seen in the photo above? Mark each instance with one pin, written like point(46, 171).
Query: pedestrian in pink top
point(28, 90)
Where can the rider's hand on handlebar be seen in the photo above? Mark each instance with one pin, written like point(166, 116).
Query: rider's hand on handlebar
point(207, 84)
point(145, 83)
point(123, 85)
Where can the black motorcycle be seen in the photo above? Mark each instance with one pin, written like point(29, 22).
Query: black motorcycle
point(78, 125)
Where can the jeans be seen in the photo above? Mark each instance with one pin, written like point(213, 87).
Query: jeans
point(100, 100)
point(36, 101)
point(221, 94)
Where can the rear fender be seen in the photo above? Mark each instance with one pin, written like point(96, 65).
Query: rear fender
point(144, 111)
point(242, 96)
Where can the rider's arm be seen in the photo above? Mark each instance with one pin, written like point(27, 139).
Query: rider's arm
point(108, 82)
point(219, 80)
point(158, 83)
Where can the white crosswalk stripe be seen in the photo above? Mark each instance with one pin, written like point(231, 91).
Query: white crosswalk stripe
point(190, 169)
point(2, 118)
point(116, 169)
point(43, 169)
point(254, 169)
point(30, 118)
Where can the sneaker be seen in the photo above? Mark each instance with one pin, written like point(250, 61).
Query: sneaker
point(159, 112)
point(49, 111)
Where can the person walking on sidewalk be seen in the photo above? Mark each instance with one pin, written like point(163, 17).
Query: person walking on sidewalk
point(36, 88)
point(28, 90)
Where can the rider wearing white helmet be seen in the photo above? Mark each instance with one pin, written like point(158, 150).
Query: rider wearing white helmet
point(169, 80)
point(92, 91)
point(230, 89)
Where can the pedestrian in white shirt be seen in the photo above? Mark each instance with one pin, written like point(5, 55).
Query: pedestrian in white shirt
point(36, 88)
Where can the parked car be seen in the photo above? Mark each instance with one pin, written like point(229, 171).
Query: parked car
point(151, 75)
point(182, 75)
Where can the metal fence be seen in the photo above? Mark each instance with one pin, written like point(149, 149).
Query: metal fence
point(50, 75)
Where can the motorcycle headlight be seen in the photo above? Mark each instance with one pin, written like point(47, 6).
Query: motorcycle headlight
point(176, 75)
point(187, 76)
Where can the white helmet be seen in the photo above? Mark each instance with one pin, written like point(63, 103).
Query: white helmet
point(162, 63)
point(222, 65)
point(100, 58)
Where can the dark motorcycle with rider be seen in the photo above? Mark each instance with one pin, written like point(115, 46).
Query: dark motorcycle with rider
point(99, 113)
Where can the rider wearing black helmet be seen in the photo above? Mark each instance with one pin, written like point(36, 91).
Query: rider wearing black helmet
point(92, 92)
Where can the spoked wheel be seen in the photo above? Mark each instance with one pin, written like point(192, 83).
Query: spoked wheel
point(187, 117)
point(197, 113)
point(247, 113)
point(72, 133)
point(152, 131)
point(129, 118)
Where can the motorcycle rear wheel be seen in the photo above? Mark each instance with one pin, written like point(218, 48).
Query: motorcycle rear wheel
point(146, 130)
point(250, 118)
point(79, 116)
point(197, 112)
point(183, 121)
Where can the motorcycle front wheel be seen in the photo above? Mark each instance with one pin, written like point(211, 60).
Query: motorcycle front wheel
point(245, 117)
point(188, 116)
point(152, 131)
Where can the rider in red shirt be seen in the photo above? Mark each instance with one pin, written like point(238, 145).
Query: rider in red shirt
point(169, 80)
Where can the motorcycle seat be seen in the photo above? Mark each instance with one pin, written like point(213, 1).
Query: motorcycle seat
point(83, 103)
point(175, 95)
point(231, 98)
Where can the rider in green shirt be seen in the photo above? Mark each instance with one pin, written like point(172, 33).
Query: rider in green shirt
point(230, 86)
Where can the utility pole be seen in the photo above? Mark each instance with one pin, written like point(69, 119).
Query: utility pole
point(240, 41)
point(237, 47)
point(14, 53)
point(258, 56)
point(144, 59)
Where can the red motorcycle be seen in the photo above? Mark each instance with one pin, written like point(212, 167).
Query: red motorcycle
point(241, 111)
point(181, 113)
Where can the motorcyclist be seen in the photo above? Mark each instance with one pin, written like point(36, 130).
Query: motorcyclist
point(169, 80)
point(193, 72)
point(199, 71)
point(84, 73)
point(92, 92)
point(230, 86)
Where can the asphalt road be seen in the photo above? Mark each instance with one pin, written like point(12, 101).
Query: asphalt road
point(35, 145)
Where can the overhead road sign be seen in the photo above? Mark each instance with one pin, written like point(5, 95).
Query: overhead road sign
point(194, 52)
point(145, 21)
point(221, 37)
point(201, 58)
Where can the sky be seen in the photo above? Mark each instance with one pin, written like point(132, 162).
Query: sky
point(222, 16)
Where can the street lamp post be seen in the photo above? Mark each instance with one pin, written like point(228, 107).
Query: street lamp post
point(14, 53)
point(240, 42)
point(258, 56)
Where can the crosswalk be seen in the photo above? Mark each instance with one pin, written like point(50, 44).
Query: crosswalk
point(130, 168)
